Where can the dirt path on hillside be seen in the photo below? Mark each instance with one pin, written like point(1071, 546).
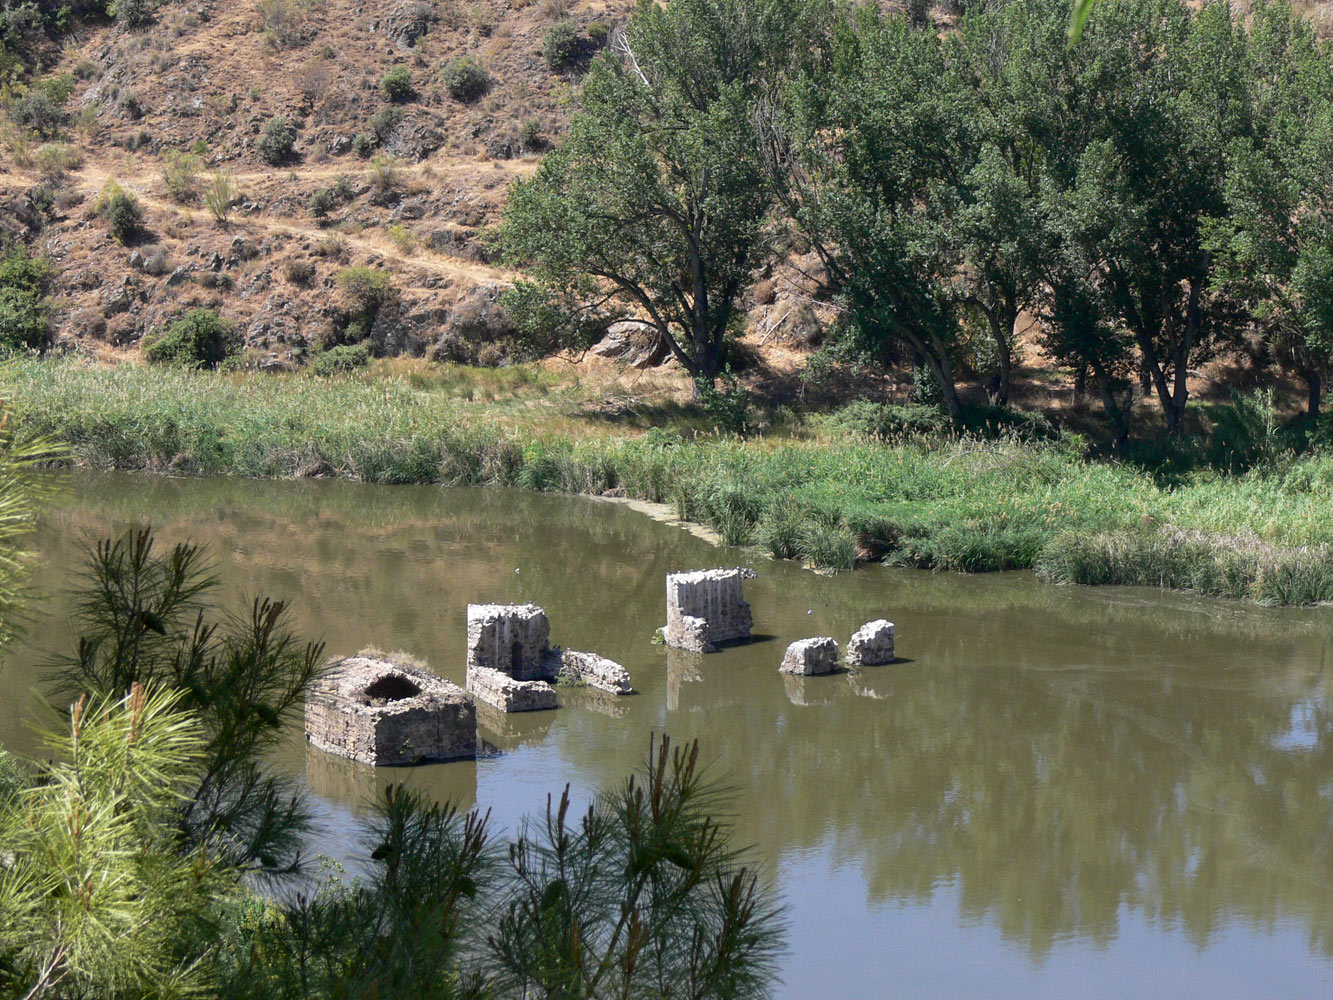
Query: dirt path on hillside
point(93, 177)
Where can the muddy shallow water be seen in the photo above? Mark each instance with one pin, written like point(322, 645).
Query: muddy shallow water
point(1059, 792)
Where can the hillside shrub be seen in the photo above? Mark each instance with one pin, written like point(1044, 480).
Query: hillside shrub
point(277, 141)
point(37, 111)
point(180, 175)
point(341, 358)
point(132, 13)
point(200, 339)
point(382, 123)
point(122, 212)
point(560, 47)
point(397, 84)
point(598, 33)
point(322, 202)
point(530, 135)
point(465, 79)
point(25, 317)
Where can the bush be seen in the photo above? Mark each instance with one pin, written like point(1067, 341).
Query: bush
point(724, 408)
point(397, 84)
point(277, 141)
point(299, 272)
point(25, 320)
point(343, 358)
point(560, 47)
point(322, 202)
point(530, 135)
point(179, 174)
point(888, 421)
point(362, 145)
point(598, 33)
point(200, 339)
point(132, 13)
point(219, 197)
point(121, 210)
point(465, 79)
point(366, 288)
point(55, 159)
point(383, 122)
point(37, 111)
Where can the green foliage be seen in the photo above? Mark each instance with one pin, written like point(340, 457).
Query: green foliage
point(22, 496)
point(122, 212)
point(199, 339)
point(888, 420)
point(36, 110)
point(725, 407)
point(180, 175)
point(25, 311)
point(322, 202)
point(341, 358)
point(219, 197)
point(657, 141)
point(99, 898)
point(465, 79)
point(366, 288)
point(560, 45)
point(396, 84)
point(277, 141)
point(598, 33)
point(133, 13)
point(383, 122)
point(530, 134)
point(144, 619)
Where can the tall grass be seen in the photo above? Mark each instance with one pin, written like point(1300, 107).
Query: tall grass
point(934, 502)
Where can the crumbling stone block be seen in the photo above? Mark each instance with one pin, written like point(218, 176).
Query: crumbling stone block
point(514, 639)
point(705, 608)
point(387, 711)
point(594, 671)
point(501, 691)
point(871, 645)
point(811, 656)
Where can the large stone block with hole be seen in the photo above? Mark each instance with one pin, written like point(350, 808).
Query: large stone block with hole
point(594, 671)
point(705, 608)
point(811, 656)
point(507, 694)
point(514, 639)
point(871, 645)
point(385, 710)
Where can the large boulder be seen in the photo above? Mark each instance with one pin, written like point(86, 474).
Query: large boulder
point(636, 344)
point(811, 656)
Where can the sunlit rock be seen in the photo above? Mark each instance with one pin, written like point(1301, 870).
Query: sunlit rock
point(707, 607)
point(508, 694)
point(811, 656)
point(389, 711)
point(871, 644)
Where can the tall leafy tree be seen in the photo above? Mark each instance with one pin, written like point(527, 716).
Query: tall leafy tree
point(1274, 244)
point(863, 156)
point(656, 202)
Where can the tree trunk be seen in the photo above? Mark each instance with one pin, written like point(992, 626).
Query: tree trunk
point(1314, 390)
point(1002, 320)
point(1116, 415)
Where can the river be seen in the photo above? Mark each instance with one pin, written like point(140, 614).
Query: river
point(1057, 792)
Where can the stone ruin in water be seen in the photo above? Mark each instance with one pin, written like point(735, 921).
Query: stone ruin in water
point(388, 711)
point(705, 608)
point(811, 656)
point(511, 663)
point(871, 645)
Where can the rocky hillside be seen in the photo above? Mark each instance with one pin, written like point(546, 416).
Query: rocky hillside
point(387, 167)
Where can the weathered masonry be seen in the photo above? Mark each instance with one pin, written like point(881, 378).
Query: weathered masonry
point(811, 656)
point(511, 662)
point(871, 645)
point(387, 711)
point(707, 607)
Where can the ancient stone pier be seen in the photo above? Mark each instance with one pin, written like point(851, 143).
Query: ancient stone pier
point(871, 645)
point(707, 607)
point(511, 663)
point(811, 656)
point(389, 711)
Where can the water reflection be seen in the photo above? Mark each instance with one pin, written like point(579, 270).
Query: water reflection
point(1051, 764)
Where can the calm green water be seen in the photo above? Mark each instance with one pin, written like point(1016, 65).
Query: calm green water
point(1064, 792)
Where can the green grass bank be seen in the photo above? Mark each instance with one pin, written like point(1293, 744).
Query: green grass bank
point(829, 496)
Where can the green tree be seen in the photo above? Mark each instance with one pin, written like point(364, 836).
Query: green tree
point(864, 155)
point(25, 311)
point(1274, 244)
point(143, 618)
point(656, 200)
point(98, 896)
point(200, 339)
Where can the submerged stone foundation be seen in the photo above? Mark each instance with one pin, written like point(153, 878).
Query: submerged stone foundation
point(511, 662)
point(387, 711)
point(705, 608)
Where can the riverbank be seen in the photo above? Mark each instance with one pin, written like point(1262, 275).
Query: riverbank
point(823, 494)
